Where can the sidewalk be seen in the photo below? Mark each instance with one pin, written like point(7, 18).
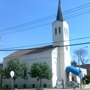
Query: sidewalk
point(80, 89)
point(76, 89)
point(70, 89)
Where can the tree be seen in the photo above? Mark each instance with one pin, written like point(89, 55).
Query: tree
point(40, 71)
point(74, 63)
point(86, 79)
point(82, 55)
point(1, 66)
point(19, 69)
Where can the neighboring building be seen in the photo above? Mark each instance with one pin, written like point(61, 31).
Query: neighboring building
point(57, 56)
point(86, 66)
point(77, 78)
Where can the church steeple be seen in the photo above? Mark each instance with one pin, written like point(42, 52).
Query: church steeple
point(59, 13)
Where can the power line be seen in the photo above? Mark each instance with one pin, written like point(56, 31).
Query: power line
point(47, 43)
point(67, 18)
point(77, 8)
point(46, 18)
point(50, 23)
point(79, 14)
point(47, 23)
point(44, 48)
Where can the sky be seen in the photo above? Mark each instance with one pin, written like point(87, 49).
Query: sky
point(28, 23)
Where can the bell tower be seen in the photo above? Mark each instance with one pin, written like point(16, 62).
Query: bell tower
point(60, 29)
point(60, 34)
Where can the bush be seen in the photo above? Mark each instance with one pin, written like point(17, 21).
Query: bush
point(86, 79)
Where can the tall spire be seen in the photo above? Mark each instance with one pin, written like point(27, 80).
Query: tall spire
point(59, 13)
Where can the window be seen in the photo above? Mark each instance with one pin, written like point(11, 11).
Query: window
point(72, 78)
point(24, 85)
point(44, 85)
point(33, 85)
point(7, 86)
point(15, 85)
point(55, 30)
point(59, 29)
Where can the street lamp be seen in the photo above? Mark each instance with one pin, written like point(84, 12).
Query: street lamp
point(12, 75)
point(79, 65)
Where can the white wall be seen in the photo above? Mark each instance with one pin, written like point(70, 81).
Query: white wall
point(59, 36)
point(62, 39)
point(54, 67)
point(29, 60)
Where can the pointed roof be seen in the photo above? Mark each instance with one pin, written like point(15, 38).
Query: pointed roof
point(59, 13)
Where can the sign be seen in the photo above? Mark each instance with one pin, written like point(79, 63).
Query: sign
point(59, 82)
point(12, 74)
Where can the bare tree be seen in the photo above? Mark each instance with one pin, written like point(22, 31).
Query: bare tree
point(82, 55)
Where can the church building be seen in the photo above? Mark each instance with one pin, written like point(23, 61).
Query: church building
point(57, 55)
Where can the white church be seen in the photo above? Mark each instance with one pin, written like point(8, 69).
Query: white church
point(57, 56)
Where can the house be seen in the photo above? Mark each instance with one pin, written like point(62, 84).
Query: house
point(87, 67)
point(77, 78)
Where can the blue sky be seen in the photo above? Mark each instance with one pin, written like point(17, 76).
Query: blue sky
point(17, 12)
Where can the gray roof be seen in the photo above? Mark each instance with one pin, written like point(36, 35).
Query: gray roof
point(59, 12)
point(31, 51)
